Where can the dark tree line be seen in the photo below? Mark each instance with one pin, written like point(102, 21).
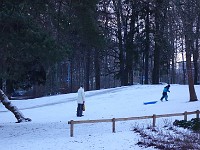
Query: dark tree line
point(54, 46)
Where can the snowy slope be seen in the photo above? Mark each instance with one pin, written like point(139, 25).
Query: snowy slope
point(49, 129)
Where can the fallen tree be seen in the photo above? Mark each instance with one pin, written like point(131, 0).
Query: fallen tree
point(7, 103)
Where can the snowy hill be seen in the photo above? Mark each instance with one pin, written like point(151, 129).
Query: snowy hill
point(49, 129)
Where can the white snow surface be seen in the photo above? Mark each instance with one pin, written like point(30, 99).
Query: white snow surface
point(49, 128)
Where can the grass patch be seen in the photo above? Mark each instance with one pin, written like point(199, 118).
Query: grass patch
point(168, 137)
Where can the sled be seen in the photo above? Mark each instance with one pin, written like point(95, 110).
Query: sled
point(150, 102)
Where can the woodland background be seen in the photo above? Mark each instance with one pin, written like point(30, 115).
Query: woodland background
point(49, 47)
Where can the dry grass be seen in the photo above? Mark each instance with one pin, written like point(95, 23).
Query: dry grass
point(168, 137)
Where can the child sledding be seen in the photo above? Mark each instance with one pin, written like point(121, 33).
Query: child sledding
point(164, 94)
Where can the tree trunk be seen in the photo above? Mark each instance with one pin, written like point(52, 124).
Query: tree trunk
point(87, 72)
point(174, 54)
point(196, 53)
point(188, 43)
point(173, 74)
point(156, 66)
point(147, 46)
point(1, 83)
point(71, 75)
point(6, 102)
point(97, 70)
point(120, 43)
point(130, 46)
point(188, 20)
point(183, 64)
point(189, 46)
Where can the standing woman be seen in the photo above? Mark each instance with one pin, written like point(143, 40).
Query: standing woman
point(80, 101)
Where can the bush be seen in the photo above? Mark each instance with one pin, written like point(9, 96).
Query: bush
point(193, 124)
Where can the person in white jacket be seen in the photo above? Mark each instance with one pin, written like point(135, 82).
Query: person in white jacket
point(80, 101)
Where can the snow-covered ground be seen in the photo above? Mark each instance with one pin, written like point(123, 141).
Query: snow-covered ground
point(49, 129)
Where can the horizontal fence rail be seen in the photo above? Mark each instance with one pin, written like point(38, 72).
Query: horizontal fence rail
point(113, 120)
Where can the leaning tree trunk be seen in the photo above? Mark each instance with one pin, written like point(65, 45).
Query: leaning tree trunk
point(6, 102)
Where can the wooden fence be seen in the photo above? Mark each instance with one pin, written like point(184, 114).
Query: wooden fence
point(113, 120)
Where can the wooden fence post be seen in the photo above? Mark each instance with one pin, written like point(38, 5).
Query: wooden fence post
point(71, 128)
point(197, 114)
point(154, 120)
point(185, 115)
point(113, 125)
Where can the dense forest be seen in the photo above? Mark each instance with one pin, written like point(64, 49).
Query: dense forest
point(52, 46)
